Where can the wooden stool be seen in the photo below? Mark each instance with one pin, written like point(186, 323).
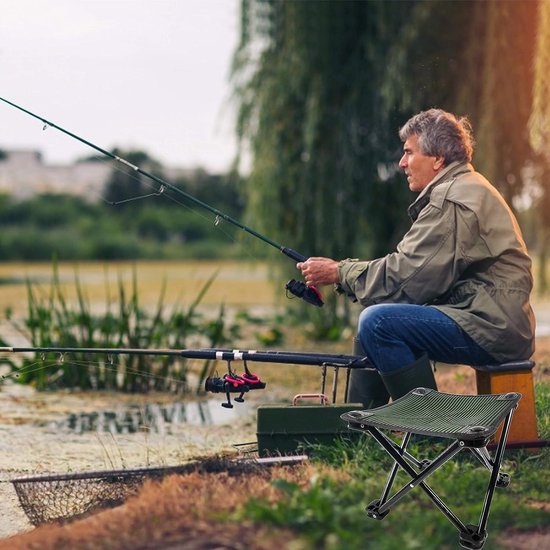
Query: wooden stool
point(516, 376)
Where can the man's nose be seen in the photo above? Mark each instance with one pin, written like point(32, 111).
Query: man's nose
point(403, 161)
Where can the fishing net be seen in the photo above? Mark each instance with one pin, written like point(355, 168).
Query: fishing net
point(70, 496)
point(67, 497)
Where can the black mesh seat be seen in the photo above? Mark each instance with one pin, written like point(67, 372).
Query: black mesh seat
point(470, 421)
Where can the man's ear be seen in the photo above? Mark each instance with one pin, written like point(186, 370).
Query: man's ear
point(439, 162)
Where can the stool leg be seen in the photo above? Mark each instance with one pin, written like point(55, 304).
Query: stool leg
point(394, 470)
point(476, 535)
point(377, 510)
point(524, 424)
point(496, 470)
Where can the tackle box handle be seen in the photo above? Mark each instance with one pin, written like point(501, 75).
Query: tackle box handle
point(319, 396)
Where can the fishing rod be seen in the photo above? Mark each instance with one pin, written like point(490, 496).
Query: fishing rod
point(309, 294)
point(219, 354)
point(230, 382)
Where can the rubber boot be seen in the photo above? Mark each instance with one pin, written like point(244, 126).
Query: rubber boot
point(366, 386)
point(416, 375)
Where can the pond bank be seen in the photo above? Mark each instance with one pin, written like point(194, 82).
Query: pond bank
point(35, 438)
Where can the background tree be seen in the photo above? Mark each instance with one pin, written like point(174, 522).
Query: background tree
point(540, 137)
point(506, 97)
point(323, 87)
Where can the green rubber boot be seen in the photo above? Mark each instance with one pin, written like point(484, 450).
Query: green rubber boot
point(416, 375)
point(366, 386)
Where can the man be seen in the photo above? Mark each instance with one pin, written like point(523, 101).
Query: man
point(456, 289)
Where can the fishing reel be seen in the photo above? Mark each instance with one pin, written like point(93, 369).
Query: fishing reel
point(233, 383)
point(309, 294)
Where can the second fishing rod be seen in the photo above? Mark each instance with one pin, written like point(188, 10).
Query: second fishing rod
point(309, 294)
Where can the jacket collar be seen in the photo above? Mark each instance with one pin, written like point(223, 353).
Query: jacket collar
point(447, 174)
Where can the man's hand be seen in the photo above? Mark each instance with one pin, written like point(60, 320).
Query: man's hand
point(319, 271)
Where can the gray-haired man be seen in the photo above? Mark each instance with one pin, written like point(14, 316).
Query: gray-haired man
point(456, 289)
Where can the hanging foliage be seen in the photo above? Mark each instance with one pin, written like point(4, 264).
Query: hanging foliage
point(503, 125)
point(540, 139)
point(323, 87)
point(540, 116)
point(308, 80)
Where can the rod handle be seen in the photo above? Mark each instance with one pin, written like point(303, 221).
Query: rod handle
point(293, 254)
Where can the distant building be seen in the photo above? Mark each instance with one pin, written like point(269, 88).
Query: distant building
point(23, 174)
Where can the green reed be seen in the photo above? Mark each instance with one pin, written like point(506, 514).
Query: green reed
point(53, 321)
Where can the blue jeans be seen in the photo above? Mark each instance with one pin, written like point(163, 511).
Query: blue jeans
point(395, 335)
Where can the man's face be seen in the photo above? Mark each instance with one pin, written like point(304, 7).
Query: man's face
point(418, 167)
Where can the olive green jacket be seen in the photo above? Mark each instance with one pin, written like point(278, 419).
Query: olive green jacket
point(463, 254)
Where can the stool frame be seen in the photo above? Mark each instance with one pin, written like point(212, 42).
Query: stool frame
point(470, 535)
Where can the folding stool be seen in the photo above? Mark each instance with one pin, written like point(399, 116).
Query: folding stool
point(469, 420)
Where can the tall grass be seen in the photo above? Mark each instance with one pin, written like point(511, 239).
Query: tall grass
point(53, 321)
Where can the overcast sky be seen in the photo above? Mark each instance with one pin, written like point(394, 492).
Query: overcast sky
point(148, 74)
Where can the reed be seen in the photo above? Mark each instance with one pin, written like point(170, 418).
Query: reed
point(55, 321)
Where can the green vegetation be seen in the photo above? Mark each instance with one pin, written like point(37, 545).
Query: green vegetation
point(329, 510)
point(55, 320)
point(160, 227)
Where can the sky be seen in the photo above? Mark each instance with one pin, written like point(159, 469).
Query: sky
point(137, 74)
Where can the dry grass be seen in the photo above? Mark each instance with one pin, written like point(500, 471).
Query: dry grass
point(238, 284)
point(180, 512)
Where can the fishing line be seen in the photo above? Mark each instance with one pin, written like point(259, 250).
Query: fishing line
point(110, 365)
point(25, 369)
point(114, 367)
point(163, 192)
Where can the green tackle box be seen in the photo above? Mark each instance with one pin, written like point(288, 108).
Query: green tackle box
point(284, 428)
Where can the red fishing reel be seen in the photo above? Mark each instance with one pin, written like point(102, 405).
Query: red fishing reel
point(233, 383)
point(309, 294)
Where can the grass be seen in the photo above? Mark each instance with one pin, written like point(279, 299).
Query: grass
point(329, 509)
point(317, 505)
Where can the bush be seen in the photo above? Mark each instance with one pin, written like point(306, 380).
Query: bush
point(39, 228)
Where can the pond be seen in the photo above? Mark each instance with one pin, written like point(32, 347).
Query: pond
point(236, 284)
point(162, 418)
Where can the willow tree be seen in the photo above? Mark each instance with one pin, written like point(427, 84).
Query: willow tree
point(308, 77)
point(473, 58)
point(540, 117)
point(506, 98)
point(540, 135)
point(323, 87)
